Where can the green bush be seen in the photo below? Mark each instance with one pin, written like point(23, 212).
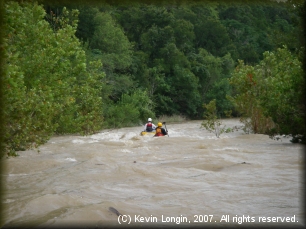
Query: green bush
point(130, 110)
point(48, 86)
point(211, 122)
point(269, 95)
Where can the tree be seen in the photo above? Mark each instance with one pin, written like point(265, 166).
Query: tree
point(131, 109)
point(219, 91)
point(184, 35)
point(184, 93)
point(86, 25)
point(110, 41)
point(281, 75)
point(246, 99)
point(270, 94)
point(212, 36)
point(47, 86)
point(210, 71)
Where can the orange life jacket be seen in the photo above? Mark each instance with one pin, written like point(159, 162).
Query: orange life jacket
point(158, 132)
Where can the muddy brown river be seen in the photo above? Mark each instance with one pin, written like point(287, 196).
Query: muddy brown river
point(190, 178)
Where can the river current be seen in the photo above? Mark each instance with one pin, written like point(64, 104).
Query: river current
point(190, 178)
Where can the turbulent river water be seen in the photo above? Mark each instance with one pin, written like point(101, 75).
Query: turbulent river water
point(189, 178)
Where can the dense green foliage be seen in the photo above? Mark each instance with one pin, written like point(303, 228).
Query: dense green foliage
point(47, 84)
point(182, 54)
point(270, 93)
point(79, 68)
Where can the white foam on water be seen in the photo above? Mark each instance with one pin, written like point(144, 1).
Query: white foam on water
point(191, 134)
point(228, 148)
point(110, 136)
point(130, 135)
point(144, 148)
point(70, 159)
point(126, 151)
point(78, 141)
point(19, 174)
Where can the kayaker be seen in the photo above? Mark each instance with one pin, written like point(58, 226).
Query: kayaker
point(160, 131)
point(149, 127)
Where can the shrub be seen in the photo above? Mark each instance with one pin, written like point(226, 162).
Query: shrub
point(211, 122)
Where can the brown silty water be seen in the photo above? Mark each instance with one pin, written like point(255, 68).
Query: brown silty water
point(188, 178)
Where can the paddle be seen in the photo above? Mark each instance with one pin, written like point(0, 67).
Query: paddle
point(166, 128)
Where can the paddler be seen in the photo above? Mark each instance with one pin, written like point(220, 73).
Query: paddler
point(149, 127)
point(160, 131)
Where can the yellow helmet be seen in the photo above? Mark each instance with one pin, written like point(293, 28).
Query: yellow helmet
point(159, 124)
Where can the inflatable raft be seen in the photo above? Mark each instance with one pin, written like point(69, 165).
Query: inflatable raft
point(143, 133)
